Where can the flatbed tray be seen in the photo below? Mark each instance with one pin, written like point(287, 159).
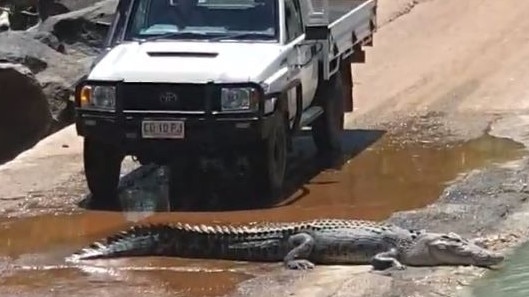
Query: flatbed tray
point(338, 8)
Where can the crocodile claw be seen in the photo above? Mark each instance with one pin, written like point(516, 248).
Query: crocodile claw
point(399, 267)
point(300, 265)
point(388, 271)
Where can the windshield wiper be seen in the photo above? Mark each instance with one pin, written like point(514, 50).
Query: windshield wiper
point(173, 34)
point(242, 35)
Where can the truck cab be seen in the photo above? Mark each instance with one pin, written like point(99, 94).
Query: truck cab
point(186, 79)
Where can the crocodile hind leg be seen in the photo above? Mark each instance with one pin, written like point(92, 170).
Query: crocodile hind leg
point(302, 247)
point(387, 260)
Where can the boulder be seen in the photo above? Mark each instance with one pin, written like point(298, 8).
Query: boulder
point(50, 40)
point(21, 49)
point(56, 72)
point(81, 30)
point(73, 5)
point(25, 117)
point(41, 65)
point(24, 12)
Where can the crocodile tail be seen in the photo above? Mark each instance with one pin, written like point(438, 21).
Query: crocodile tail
point(184, 240)
point(140, 240)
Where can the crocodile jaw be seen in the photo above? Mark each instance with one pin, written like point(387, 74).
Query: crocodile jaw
point(449, 249)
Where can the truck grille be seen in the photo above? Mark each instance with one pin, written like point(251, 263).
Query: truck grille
point(174, 97)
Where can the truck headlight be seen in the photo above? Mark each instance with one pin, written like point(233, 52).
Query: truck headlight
point(239, 99)
point(98, 97)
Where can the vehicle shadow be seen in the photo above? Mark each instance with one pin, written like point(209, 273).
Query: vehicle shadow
point(146, 189)
point(306, 165)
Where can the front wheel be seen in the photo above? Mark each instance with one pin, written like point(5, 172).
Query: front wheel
point(102, 166)
point(269, 159)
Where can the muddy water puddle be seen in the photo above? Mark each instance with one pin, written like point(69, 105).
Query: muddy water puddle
point(36, 246)
point(93, 281)
point(379, 180)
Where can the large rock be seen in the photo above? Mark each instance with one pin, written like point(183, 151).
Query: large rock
point(21, 49)
point(73, 5)
point(24, 113)
point(56, 6)
point(25, 11)
point(57, 73)
point(50, 58)
point(81, 30)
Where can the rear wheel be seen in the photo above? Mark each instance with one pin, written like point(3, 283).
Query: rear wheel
point(102, 166)
point(269, 160)
point(327, 129)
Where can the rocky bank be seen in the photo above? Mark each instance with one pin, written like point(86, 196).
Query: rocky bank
point(40, 62)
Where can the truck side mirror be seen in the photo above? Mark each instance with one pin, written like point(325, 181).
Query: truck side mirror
point(319, 32)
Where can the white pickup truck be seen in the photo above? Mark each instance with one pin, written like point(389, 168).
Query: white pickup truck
point(185, 78)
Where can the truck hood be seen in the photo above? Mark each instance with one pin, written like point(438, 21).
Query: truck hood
point(188, 62)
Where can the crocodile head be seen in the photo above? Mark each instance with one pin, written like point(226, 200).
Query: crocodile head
point(449, 249)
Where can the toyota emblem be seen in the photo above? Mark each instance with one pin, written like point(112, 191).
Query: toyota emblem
point(168, 98)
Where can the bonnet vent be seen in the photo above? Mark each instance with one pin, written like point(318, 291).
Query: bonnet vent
point(183, 54)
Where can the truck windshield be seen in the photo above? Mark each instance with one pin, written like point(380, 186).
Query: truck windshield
point(203, 19)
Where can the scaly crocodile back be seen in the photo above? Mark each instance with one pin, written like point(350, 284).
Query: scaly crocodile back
point(263, 242)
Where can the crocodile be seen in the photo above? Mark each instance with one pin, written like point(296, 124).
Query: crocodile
point(299, 245)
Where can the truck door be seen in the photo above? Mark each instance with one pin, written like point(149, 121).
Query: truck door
point(308, 73)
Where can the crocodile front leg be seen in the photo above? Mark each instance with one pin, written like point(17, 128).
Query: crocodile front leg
point(387, 260)
point(303, 244)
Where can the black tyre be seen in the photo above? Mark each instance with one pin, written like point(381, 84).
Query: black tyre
point(102, 166)
point(327, 129)
point(269, 160)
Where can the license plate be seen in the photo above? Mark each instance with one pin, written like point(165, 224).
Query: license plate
point(163, 129)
